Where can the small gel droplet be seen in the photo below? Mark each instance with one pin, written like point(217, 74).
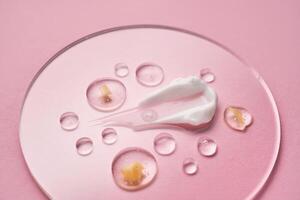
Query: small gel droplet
point(207, 147)
point(84, 146)
point(109, 136)
point(69, 121)
point(164, 144)
point(190, 167)
point(207, 76)
point(149, 115)
point(121, 70)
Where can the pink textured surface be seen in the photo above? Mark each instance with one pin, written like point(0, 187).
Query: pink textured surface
point(263, 32)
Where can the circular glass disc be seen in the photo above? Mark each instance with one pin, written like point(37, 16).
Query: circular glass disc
point(243, 162)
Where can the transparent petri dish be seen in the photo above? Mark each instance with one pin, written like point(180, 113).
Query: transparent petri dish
point(244, 161)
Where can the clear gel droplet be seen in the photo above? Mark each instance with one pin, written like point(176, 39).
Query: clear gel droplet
point(206, 75)
point(149, 74)
point(164, 144)
point(69, 121)
point(237, 118)
point(121, 70)
point(207, 147)
point(190, 167)
point(84, 146)
point(134, 168)
point(149, 115)
point(106, 94)
point(109, 136)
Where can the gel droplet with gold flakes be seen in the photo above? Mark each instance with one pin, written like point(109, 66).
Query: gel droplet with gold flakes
point(106, 94)
point(237, 118)
point(133, 174)
point(134, 168)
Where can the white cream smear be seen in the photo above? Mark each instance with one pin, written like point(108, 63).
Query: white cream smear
point(185, 102)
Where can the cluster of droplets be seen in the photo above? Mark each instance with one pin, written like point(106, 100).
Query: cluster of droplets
point(135, 168)
point(109, 94)
point(147, 74)
point(165, 144)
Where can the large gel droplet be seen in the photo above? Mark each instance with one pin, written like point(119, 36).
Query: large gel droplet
point(134, 168)
point(207, 147)
point(84, 146)
point(190, 167)
point(106, 94)
point(69, 121)
point(164, 144)
point(237, 118)
point(149, 74)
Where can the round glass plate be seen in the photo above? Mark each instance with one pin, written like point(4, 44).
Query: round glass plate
point(239, 169)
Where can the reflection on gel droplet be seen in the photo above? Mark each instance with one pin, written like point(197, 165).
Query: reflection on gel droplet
point(149, 74)
point(121, 70)
point(149, 115)
point(109, 136)
point(69, 121)
point(206, 75)
point(134, 168)
point(106, 94)
point(207, 147)
point(190, 167)
point(84, 146)
point(164, 144)
point(237, 118)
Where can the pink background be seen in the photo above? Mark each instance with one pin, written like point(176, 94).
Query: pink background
point(265, 33)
